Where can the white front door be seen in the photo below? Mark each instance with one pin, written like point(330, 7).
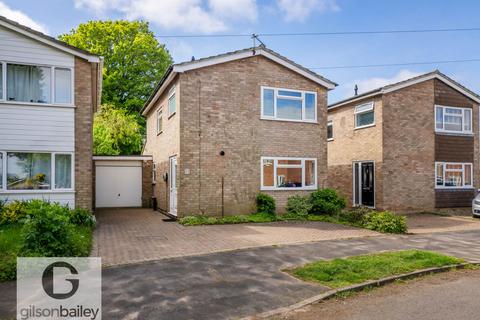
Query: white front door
point(173, 186)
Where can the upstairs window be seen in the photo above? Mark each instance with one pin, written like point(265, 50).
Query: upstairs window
point(453, 175)
point(364, 115)
point(36, 84)
point(291, 105)
point(330, 130)
point(159, 120)
point(453, 120)
point(172, 107)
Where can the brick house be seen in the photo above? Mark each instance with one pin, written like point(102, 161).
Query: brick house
point(224, 128)
point(408, 146)
point(48, 94)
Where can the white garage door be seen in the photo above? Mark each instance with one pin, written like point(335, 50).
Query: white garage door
point(118, 185)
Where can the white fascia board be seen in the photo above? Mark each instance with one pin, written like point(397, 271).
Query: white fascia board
point(89, 58)
point(121, 158)
point(160, 91)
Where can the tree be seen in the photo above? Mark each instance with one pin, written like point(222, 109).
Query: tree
point(134, 61)
point(116, 132)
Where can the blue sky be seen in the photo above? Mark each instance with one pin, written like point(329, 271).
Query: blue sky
point(276, 16)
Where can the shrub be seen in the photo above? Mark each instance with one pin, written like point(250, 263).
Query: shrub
point(386, 222)
point(297, 206)
point(326, 201)
point(13, 212)
point(82, 217)
point(355, 215)
point(265, 204)
point(48, 232)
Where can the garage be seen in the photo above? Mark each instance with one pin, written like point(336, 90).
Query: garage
point(120, 181)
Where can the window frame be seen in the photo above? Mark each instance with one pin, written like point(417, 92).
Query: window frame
point(330, 124)
point(444, 169)
point(3, 97)
point(159, 120)
point(275, 166)
point(154, 173)
point(356, 113)
point(52, 189)
point(171, 93)
point(443, 130)
point(302, 98)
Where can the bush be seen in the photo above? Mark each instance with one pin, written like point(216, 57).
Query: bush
point(355, 215)
point(48, 232)
point(82, 217)
point(13, 212)
point(297, 207)
point(386, 222)
point(326, 201)
point(265, 204)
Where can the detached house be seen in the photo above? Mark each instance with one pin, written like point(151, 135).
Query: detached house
point(408, 146)
point(224, 128)
point(48, 93)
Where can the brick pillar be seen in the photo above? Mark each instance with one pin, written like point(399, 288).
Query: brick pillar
point(147, 186)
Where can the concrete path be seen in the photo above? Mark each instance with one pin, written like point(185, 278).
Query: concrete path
point(136, 235)
point(445, 296)
point(238, 283)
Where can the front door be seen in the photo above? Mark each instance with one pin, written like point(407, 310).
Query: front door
point(173, 186)
point(364, 183)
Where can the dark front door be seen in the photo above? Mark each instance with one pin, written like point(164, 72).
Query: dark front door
point(364, 183)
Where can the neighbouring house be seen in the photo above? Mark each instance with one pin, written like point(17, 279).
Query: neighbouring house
point(409, 146)
point(48, 94)
point(224, 128)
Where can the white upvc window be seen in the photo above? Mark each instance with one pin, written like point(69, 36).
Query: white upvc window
point(36, 84)
point(451, 175)
point(282, 173)
point(453, 119)
point(154, 173)
point(159, 120)
point(330, 130)
point(288, 105)
point(172, 106)
point(36, 171)
point(364, 115)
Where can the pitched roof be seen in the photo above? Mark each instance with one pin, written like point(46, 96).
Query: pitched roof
point(41, 37)
point(230, 56)
point(436, 74)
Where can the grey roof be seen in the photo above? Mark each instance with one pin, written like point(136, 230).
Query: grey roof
point(186, 63)
point(392, 85)
point(46, 37)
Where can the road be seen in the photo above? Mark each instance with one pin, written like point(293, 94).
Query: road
point(238, 283)
point(446, 296)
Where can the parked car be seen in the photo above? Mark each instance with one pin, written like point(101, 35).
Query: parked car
point(476, 206)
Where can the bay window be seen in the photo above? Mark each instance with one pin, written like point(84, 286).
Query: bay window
point(453, 175)
point(286, 104)
point(36, 84)
point(364, 115)
point(288, 173)
point(21, 171)
point(453, 119)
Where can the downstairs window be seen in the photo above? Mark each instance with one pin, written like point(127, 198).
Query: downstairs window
point(279, 173)
point(453, 175)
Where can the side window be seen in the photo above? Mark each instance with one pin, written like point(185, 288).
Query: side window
point(172, 107)
point(364, 115)
point(159, 120)
point(330, 130)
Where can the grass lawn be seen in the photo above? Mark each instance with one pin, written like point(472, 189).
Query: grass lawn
point(338, 273)
point(11, 243)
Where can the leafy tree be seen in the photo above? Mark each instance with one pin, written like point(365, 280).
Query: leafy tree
point(116, 132)
point(134, 61)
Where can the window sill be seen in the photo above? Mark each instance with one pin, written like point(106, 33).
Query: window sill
point(328, 140)
point(289, 189)
point(364, 127)
point(455, 188)
point(35, 191)
point(453, 133)
point(19, 103)
point(287, 120)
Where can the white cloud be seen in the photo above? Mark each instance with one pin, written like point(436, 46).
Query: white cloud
point(185, 15)
point(180, 50)
point(300, 10)
point(21, 18)
point(368, 84)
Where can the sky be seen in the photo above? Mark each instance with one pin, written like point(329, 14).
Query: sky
point(222, 17)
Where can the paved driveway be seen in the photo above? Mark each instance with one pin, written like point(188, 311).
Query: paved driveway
point(135, 235)
point(429, 223)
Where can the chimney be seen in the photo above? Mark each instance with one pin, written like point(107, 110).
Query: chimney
point(356, 90)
